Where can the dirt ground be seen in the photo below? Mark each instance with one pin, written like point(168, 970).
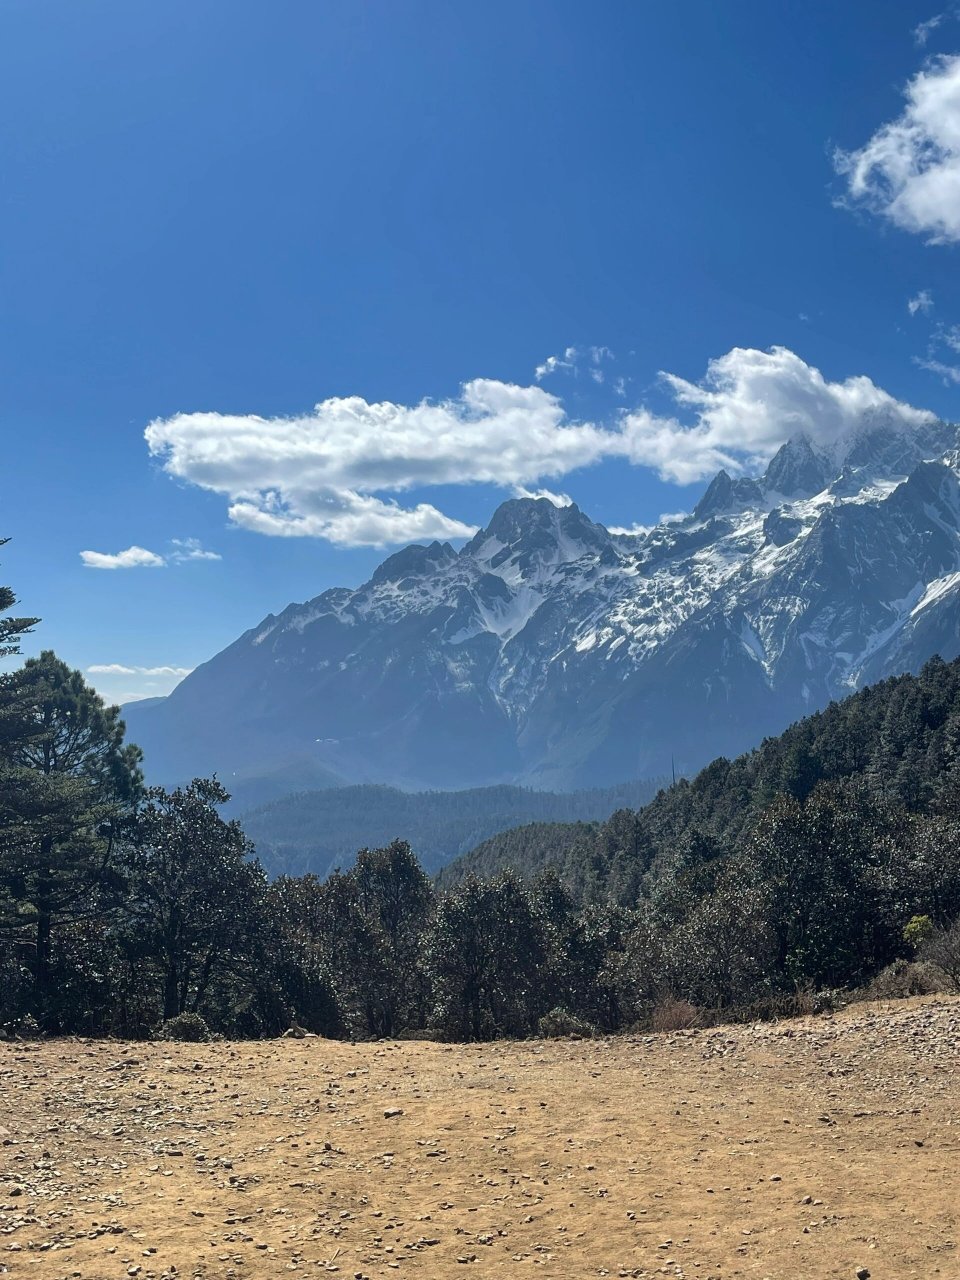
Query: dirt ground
point(810, 1148)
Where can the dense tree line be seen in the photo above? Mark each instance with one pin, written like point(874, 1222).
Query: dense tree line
point(316, 830)
point(813, 863)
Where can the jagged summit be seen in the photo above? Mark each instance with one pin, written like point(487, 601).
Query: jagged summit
point(724, 494)
point(797, 470)
point(415, 561)
point(536, 524)
point(551, 652)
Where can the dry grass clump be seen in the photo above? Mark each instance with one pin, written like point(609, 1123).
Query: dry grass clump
point(672, 1014)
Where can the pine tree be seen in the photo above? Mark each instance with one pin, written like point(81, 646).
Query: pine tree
point(12, 726)
point(68, 781)
point(11, 629)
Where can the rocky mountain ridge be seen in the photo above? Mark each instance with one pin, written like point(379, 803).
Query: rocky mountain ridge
point(554, 652)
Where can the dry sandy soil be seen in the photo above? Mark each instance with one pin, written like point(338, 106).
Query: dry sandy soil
point(811, 1148)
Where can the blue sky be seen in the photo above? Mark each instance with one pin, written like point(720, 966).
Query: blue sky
point(212, 212)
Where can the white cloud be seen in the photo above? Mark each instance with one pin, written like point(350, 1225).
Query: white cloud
point(190, 549)
point(132, 558)
point(558, 499)
point(909, 171)
point(922, 302)
point(923, 30)
point(554, 363)
point(183, 550)
point(346, 519)
point(323, 474)
point(632, 531)
point(119, 682)
point(747, 405)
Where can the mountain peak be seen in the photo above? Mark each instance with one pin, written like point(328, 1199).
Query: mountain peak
point(414, 561)
point(724, 494)
point(797, 470)
point(517, 516)
point(537, 524)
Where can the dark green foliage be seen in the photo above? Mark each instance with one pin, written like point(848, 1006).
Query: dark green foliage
point(298, 955)
point(486, 953)
point(561, 1022)
point(11, 629)
point(193, 900)
point(186, 1026)
point(68, 783)
point(370, 925)
point(528, 849)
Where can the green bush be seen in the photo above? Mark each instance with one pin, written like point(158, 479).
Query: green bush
point(561, 1022)
point(917, 931)
point(186, 1026)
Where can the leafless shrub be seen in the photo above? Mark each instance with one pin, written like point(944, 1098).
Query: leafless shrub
point(942, 950)
point(901, 979)
point(671, 1014)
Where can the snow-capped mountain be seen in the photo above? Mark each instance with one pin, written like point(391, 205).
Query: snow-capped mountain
point(552, 651)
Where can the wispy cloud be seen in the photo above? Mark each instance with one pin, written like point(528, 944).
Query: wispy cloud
point(191, 549)
point(948, 372)
point(573, 360)
point(924, 30)
point(944, 337)
point(598, 355)
point(121, 669)
point(922, 302)
point(909, 171)
point(554, 364)
point(638, 530)
point(132, 558)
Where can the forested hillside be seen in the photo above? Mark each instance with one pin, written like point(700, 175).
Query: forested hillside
point(897, 741)
point(814, 863)
point(319, 831)
point(528, 850)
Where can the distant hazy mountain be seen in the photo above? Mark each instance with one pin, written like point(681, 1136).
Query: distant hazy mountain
point(552, 652)
point(319, 831)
